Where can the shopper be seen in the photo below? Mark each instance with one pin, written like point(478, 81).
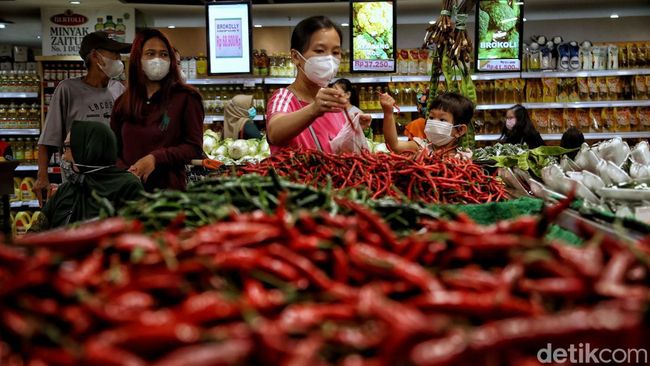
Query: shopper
point(238, 118)
point(308, 114)
point(351, 96)
point(572, 138)
point(158, 121)
point(87, 98)
point(519, 129)
point(447, 122)
point(90, 150)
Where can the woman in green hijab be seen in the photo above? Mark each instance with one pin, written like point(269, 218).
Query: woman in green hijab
point(89, 156)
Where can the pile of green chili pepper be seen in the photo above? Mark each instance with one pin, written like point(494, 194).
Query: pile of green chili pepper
point(424, 177)
point(312, 288)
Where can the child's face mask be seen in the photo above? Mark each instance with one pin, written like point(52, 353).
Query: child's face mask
point(438, 132)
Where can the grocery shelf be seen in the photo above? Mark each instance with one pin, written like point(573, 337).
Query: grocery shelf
point(18, 95)
point(410, 78)
point(583, 73)
point(19, 132)
point(27, 168)
point(368, 79)
point(496, 76)
point(599, 104)
point(408, 108)
point(278, 81)
point(25, 204)
point(211, 118)
point(226, 81)
point(588, 136)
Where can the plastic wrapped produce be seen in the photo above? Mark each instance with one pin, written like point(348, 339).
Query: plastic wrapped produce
point(615, 150)
point(587, 159)
point(641, 153)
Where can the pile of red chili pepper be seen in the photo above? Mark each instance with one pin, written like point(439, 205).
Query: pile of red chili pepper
point(424, 177)
point(316, 289)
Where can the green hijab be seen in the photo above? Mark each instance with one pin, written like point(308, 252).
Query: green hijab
point(97, 182)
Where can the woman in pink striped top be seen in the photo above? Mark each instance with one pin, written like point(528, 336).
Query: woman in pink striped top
point(307, 114)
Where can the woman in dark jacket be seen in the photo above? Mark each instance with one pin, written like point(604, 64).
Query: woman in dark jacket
point(519, 129)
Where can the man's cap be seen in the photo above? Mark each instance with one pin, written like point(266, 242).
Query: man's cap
point(100, 40)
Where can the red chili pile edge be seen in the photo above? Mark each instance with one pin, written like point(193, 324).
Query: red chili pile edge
point(423, 177)
point(315, 289)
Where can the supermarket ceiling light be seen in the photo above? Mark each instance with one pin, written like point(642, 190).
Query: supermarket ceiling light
point(2, 26)
point(432, 22)
point(171, 26)
point(524, 19)
point(345, 25)
point(614, 16)
point(75, 2)
point(257, 26)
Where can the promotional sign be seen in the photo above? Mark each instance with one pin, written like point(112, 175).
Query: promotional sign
point(499, 32)
point(372, 36)
point(64, 28)
point(228, 27)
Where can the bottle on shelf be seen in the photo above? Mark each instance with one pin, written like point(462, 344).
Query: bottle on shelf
point(12, 116)
point(264, 63)
point(18, 148)
point(192, 74)
point(201, 65)
point(120, 30)
point(109, 26)
point(256, 62)
point(99, 26)
point(258, 100)
point(29, 151)
point(218, 100)
point(363, 99)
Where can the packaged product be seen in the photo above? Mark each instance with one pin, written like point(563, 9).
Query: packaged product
point(593, 89)
point(612, 87)
point(540, 118)
point(643, 116)
point(16, 196)
point(631, 55)
point(562, 91)
point(519, 90)
point(640, 87)
point(423, 62)
point(500, 91)
point(608, 120)
point(622, 56)
point(582, 119)
point(572, 85)
point(595, 118)
point(570, 118)
point(414, 61)
point(549, 89)
point(555, 121)
point(622, 117)
point(403, 62)
point(26, 187)
point(583, 89)
point(511, 97)
point(602, 88)
point(634, 120)
point(612, 57)
point(22, 222)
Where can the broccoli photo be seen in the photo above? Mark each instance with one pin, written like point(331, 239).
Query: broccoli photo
point(502, 16)
point(484, 21)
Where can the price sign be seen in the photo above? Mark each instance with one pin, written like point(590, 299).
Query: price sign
point(379, 66)
point(499, 35)
point(372, 36)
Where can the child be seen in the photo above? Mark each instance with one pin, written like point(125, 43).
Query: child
point(447, 122)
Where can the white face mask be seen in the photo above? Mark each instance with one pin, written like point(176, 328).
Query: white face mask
point(510, 123)
point(155, 69)
point(438, 132)
point(112, 68)
point(321, 69)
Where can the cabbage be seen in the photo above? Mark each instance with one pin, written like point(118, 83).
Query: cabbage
point(238, 149)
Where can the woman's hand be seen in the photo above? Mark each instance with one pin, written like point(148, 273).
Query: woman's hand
point(144, 167)
point(328, 100)
point(365, 120)
point(387, 102)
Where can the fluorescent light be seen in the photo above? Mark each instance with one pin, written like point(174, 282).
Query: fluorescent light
point(2, 26)
point(257, 26)
point(171, 26)
point(614, 16)
point(39, 37)
point(345, 25)
point(519, 3)
point(524, 19)
point(432, 22)
point(75, 2)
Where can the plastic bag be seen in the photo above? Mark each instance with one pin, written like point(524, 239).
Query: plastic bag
point(350, 138)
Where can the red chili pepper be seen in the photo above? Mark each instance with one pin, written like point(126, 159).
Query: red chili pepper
point(368, 256)
point(471, 279)
point(229, 352)
point(301, 317)
point(73, 240)
point(103, 355)
point(129, 242)
point(587, 261)
point(17, 324)
point(569, 288)
point(313, 273)
point(477, 304)
point(341, 265)
point(54, 356)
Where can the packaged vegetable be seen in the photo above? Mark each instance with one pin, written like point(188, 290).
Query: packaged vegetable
point(587, 159)
point(612, 174)
point(641, 153)
point(615, 150)
point(639, 171)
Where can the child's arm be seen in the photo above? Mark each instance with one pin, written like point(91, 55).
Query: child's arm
point(390, 131)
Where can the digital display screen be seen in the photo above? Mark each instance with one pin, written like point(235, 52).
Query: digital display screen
point(228, 27)
point(372, 36)
point(499, 33)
